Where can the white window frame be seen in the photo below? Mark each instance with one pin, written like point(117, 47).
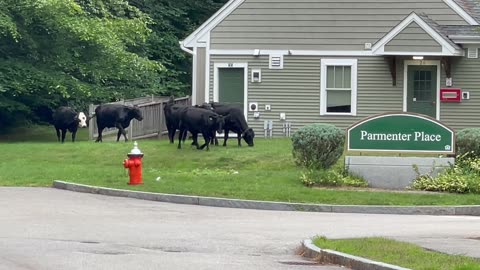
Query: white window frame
point(323, 84)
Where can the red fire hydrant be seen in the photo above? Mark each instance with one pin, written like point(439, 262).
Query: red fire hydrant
point(134, 165)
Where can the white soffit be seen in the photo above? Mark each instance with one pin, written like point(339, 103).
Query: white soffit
point(447, 48)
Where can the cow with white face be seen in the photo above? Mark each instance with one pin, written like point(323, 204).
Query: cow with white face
point(66, 118)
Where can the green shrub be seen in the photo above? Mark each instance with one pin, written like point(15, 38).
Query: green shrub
point(463, 177)
point(468, 141)
point(317, 146)
point(334, 178)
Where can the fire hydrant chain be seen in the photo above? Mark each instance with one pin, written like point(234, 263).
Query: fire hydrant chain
point(134, 165)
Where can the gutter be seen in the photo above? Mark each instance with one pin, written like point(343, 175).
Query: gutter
point(464, 37)
point(459, 39)
point(185, 49)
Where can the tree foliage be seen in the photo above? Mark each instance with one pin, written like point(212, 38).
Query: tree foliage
point(75, 52)
point(173, 21)
point(54, 52)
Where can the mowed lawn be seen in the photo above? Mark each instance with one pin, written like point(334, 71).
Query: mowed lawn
point(264, 172)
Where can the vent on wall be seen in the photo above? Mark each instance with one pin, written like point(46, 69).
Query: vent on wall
point(472, 53)
point(276, 61)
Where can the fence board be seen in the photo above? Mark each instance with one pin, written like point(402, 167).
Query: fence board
point(153, 123)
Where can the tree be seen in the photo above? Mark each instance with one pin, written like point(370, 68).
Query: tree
point(54, 52)
point(174, 20)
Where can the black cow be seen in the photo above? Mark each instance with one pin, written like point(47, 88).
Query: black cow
point(116, 115)
point(66, 118)
point(199, 120)
point(172, 114)
point(234, 121)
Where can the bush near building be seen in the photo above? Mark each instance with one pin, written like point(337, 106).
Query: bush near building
point(464, 176)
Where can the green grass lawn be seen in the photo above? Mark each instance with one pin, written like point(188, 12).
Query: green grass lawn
point(398, 253)
point(264, 172)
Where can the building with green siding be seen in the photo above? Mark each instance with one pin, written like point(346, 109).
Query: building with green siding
point(325, 61)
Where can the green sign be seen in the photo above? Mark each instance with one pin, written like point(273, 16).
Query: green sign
point(401, 132)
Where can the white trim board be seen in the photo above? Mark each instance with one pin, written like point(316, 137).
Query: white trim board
point(216, 66)
point(194, 76)
point(207, 70)
point(407, 63)
point(447, 48)
point(325, 53)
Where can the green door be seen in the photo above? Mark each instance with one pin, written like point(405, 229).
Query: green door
point(422, 90)
point(231, 85)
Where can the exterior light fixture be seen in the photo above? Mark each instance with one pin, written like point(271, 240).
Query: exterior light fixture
point(418, 58)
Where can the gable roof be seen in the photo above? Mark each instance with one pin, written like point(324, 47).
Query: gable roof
point(429, 26)
point(469, 10)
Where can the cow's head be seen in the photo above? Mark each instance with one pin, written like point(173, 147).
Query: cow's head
point(248, 135)
point(82, 120)
point(136, 113)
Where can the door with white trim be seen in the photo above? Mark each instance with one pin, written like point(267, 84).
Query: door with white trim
point(422, 89)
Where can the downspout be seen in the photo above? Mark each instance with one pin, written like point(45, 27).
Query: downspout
point(185, 49)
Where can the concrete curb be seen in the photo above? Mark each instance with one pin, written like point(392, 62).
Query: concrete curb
point(343, 259)
point(473, 210)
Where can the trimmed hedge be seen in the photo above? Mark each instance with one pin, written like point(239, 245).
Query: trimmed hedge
point(468, 142)
point(317, 146)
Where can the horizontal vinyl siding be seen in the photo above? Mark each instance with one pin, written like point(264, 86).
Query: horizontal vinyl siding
point(319, 25)
point(413, 39)
point(295, 90)
point(465, 75)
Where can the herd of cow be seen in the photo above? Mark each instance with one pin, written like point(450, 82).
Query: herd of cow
point(207, 119)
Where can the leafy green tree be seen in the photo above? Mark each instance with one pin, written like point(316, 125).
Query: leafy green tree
point(174, 20)
point(54, 52)
point(75, 52)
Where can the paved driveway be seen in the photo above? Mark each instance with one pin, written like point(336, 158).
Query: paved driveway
point(42, 228)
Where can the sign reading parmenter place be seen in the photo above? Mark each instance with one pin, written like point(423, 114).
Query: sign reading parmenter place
point(401, 132)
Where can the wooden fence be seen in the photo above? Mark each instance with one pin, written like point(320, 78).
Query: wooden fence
point(152, 125)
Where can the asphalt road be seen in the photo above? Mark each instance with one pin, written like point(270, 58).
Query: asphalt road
point(42, 228)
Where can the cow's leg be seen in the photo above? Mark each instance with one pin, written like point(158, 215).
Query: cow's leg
point(119, 133)
point(195, 139)
point(239, 136)
point(184, 135)
point(58, 133)
point(207, 141)
point(121, 130)
point(64, 132)
point(180, 139)
point(225, 137)
point(74, 134)
point(99, 138)
point(213, 138)
point(171, 134)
